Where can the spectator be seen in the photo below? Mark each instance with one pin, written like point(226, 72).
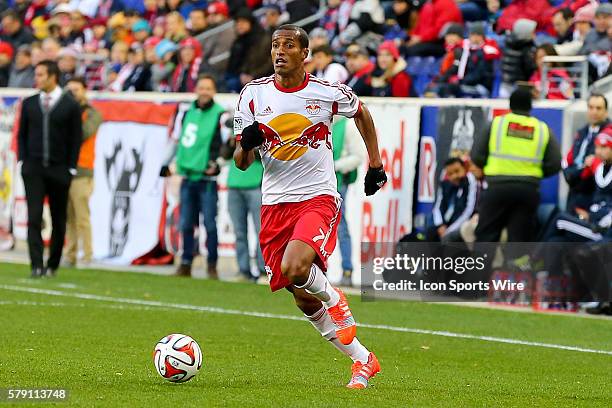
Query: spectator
point(367, 17)
point(213, 46)
point(95, 36)
point(348, 155)
point(37, 9)
point(471, 73)
point(13, 30)
point(453, 38)
point(598, 39)
point(582, 24)
point(244, 197)
point(141, 31)
point(518, 61)
point(250, 52)
point(495, 10)
point(51, 49)
point(22, 73)
point(336, 17)
point(67, 63)
point(390, 78)
point(49, 157)
point(118, 69)
point(534, 10)
point(159, 27)
point(360, 70)
point(175, 27)
point(402, 12)
point(455, 202)
point(162, 71)
point(325, 67)
point(298, 10)
point(426, 37)
point(37, 53)
point(197, 22)
point(139, 79)
point(317, 38)
point(149, 50)
point(185, 75)
point(78, 225)
point(580, 163)
point(151, 11)
point(197, 152)
point(562, 24)
point(558, 84)
point(78, 22)
point(6, 57)
point(272, 18)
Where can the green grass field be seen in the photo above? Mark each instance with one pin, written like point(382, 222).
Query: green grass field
point(100, 348)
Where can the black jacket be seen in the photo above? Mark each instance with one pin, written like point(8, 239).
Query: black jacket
point(518, 61)
point(455, 204)
point(53, 138)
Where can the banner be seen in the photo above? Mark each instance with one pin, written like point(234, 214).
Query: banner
point(8, 162)
point(387, 215)
point(128, 192)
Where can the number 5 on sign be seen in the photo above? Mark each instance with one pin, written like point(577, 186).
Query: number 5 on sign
point(189, 135)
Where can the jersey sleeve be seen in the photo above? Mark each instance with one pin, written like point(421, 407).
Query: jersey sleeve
point(244, 113)
point(346, 103)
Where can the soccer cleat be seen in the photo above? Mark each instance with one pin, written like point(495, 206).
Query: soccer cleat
point(343, 319)
point(363, 372)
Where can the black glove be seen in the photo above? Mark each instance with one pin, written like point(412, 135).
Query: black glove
point(374, 180)
point(251, 137)
point(164, 172)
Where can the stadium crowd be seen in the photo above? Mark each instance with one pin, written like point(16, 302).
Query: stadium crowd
point(382, 48)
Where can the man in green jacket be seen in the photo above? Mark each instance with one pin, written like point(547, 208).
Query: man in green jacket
point(196, 154)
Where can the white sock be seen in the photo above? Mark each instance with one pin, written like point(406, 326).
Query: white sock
point(324, 325)
point(318, 286)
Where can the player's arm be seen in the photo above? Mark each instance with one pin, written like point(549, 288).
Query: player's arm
point(365, 124)
point(243, 158)
point(375, 177)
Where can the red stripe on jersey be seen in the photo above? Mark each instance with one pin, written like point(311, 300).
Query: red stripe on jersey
point(260, 81)
point(252, 107)
point(334, 108)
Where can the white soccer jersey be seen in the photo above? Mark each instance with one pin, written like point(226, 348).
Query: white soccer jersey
point(297, 152)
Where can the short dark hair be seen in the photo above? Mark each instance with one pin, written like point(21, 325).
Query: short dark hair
point(521, 100)
point(301, 34)
point(452, 160)
point(52, 68)
point(325, 49)
point(566, 13)
point(202, 77)
point(79, 79)
point(599, 95)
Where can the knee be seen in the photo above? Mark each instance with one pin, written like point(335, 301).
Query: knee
point(295, 269)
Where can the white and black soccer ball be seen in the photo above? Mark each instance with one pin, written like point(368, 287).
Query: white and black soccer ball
point(177, 357)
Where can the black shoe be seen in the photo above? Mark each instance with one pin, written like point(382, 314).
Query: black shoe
point(183, 270)
point(603, 308)
point(37, 273)
point(50, 272)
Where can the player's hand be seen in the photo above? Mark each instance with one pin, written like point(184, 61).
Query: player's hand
point(251, 137)
point(164, 172)
point(374, 180)
point(588, 161)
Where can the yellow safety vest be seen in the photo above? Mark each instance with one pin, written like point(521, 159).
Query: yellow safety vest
point(516, 146)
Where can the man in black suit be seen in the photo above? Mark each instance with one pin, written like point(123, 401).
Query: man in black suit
point(49, 138)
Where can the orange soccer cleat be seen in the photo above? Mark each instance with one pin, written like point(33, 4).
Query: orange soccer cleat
point(363, 372)
point(343, 319)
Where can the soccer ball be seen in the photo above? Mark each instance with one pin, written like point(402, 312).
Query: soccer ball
point(177, 358)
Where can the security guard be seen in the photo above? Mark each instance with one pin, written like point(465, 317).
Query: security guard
point(514, 155)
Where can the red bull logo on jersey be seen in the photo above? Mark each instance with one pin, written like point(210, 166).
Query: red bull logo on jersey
point(313, 106)
point(290, 135)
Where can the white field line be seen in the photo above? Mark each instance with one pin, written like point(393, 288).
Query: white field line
point(220, 310)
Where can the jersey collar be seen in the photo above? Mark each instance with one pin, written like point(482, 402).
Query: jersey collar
point(294, 89)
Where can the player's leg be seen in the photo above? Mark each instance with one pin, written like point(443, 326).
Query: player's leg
point(365, 364)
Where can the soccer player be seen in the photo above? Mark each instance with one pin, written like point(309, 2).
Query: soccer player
point(287, 118)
